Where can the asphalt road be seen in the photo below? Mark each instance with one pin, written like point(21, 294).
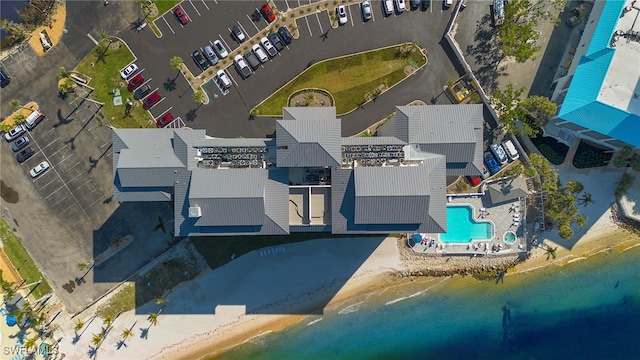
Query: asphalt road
point(228, 115)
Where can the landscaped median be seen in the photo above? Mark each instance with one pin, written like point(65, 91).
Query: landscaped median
point(352, 80)
point(102, 66)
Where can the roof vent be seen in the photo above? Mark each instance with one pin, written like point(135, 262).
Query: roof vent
point(195, 212)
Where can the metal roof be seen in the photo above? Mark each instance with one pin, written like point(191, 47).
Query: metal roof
point(508, 189)
point(371, 140)
point(435, 124)
point(308, 142)
point(309, 113)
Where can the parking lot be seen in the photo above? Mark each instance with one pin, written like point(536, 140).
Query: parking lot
point(227, 114)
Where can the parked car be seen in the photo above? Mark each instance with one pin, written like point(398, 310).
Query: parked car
point(491, 162)
point(128, 71)
point(4, 78)
point(366, 10)
point(210, 54)
point(448, 3)
point(142, 91)
point(387, 7)
point(285, 34)
point(199, 59)
point(39, 169)
point(400, 6)
point(151, 100)
point(220, 49)
point(135, 82)
point(510, 149)
point(474, 180)
point(242, 66)
point(266, 11)
point(414, 4)
point(14, 133)
point(260, 54)
point(252, 59)
point(164, 120)
point(266, 44)
point(20, 143)
point(238, 34)
point(223, 79)
point(26, 153)
point(180, 15)
point(33, 119)
point(426, 4)
point(342, 14)
point(500, 154)
point(276, 41)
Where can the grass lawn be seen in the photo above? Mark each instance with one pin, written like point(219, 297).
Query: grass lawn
point(164, 5)
point(348, 79)
point(123, 300)
point(105, 76)
point(21, 259)
point(217, 250)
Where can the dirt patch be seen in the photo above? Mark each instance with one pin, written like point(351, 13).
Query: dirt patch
point(8, 194)
point(55, 30)
point(311, 98)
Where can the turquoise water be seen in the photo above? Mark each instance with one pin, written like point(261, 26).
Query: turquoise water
point(462, 227)
point(509, 237)
point(585, 310)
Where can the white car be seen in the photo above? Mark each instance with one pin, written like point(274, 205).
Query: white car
point(15, 133)
point(128, 71)
point(342, 14)
point(39, 169)
point(366, 10)
point(242, 66)
point(224, 79)
point(388, 7)
point(268, 46)
point(220, 49)
point(260, 54)
point(401, 6)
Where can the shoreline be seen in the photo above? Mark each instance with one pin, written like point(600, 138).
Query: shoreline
point(608, 236)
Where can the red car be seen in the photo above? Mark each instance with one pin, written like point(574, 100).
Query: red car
point(164, 120)
point(151, 100)
point(266, 11)
point(474, 180)
point(135, 82)
point(179, 13)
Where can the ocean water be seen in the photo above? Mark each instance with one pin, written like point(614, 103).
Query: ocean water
point(588, 309)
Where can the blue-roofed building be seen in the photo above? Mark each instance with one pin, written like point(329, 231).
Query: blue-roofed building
point(599, 97)
point(308, 178)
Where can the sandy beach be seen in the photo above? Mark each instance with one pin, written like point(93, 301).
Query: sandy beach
point(263, 291)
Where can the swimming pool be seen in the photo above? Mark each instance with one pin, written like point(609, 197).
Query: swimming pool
point(463, 228)
point(510, 237)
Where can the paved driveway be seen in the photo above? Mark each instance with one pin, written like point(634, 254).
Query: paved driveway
point(228, 115)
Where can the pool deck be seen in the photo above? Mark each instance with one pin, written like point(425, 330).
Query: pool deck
point(502, 215)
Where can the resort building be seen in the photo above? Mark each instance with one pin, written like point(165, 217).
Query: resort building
point(307, 178)
point(599, 96)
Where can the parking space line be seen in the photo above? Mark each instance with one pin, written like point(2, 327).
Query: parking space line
point(318, 18)
point(161, 100)
point(63, 160)
point(350, 15)
point(225, 43)
point(47, 184)
point(194, 8)
point(373, 16)
point(254, 24)
point(71, 167)
point(308, 26)
point(77, 176)
point(93, 203)
point(51, 194)
point(56, 139)
point(205, 4)
point(242, 27)
point(88, 181)
point(169, 26)
point(57, 151)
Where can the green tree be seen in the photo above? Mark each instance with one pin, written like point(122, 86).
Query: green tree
point(507, 105)
point(15, 104)
point(198, 96)
point(153, 318)
point(78, 325)
point(63, 73)
point(550, 251)
point(585, 200)
point(82, 266)
point(539, 111)
point(126, 333)
point(627, 156)
point(97, 339)
point(176, 63)
point(107, 321)
point(160, 300)
point(574, 186)
point(19, 118)
point(30, 343)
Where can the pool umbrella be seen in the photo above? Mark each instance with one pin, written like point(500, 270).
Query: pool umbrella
point(11, 320)
point(416, 238)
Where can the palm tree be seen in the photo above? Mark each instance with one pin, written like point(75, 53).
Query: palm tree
point(78, 325)
point(15, 104)
point(63, 72)
point(581, 221)
point(160, 300)
point(551, 252)
point(82, 266)
point(176, 63)
point(126, 333)
point(585, 200)
point(153, 318)
point(198, 96)
point(97, 339)
point(31, 343)
point(107, 320)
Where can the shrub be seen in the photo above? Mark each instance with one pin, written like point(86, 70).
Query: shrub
point(624, 184)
